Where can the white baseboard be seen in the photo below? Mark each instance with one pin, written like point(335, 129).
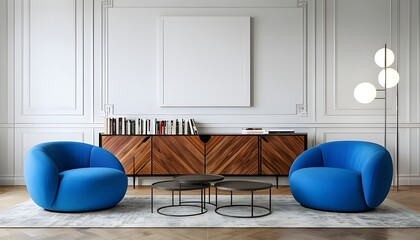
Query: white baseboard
point(7, 181)
point(19, 181)
point(410, 180)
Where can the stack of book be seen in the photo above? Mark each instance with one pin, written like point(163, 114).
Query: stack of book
point(274, 131)
point(254, 131)
point(140, 126)
point(265, 131)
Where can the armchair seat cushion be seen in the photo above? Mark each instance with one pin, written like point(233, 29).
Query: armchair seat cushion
point(84, 189)
point(327, 188)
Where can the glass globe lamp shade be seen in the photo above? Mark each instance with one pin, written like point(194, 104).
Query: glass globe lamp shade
point(392, 77)
point(365, 92)
point(380, 57)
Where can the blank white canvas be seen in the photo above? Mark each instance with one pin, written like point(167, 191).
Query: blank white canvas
point(205, 61)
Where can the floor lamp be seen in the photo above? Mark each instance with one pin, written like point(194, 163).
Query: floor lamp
point(366, 92)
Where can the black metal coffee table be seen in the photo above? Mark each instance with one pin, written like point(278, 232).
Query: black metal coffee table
point(199, 179)
point(243, 186)
point(175, 186)
point(185, 183)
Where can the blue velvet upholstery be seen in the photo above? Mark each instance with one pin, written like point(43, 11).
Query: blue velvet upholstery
point(343, 176)
point(74, 177)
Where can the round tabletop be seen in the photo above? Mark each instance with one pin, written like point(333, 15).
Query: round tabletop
point(175, 186)
point(198, 178)
point(242, 185)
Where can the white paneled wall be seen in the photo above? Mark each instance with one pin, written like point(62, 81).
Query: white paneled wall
point(61, 60)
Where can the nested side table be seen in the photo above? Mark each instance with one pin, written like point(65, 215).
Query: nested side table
point(176, 186)
point(249, 186)
point(185, 183)
point(199, 179)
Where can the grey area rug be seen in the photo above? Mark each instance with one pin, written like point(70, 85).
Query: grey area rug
point(134, 211)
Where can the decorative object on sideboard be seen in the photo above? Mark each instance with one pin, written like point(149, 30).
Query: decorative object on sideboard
point(388, 78)
point(108, 112)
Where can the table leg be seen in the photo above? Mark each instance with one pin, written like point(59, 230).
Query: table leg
point(252, 203)
point(231, 198)
point(204, 195)
point(202, 198)
point(269, 206)
point(151, 199)
point(179, 194)
point(216, 196)
point(172, 197)
point(134, 176)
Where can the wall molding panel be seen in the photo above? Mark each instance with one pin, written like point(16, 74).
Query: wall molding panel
point(61, 61)
point(51, 80)
point(7, 61)
point(348, 62)
point(3, 61)
point(32, 20)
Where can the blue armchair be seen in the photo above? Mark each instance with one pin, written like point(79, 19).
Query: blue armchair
point(343, 176)
point(74, 177)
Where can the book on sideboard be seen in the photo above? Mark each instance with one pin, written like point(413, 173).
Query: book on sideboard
point(265, 131)
point(273, 131)
point(119, 125)
point(253, 131)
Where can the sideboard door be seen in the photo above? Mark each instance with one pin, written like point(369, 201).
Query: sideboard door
point(279, 152)
point(134, 152)
point(232, 155)
point(177, 155)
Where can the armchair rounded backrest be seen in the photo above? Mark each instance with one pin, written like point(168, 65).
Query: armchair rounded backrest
point(372, 161)
point(45, 164)
point(353, 155)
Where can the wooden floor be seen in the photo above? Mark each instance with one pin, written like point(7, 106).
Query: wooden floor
point(12, 195)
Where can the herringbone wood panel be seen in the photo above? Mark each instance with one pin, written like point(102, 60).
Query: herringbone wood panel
point(178, 155)
point(232, 155)
point(279, 152)
point(408, 196)
point(132, 151)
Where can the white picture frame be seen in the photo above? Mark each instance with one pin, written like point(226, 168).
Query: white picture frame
point(205, 61)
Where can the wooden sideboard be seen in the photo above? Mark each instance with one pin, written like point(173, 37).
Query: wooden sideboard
point(239, 155)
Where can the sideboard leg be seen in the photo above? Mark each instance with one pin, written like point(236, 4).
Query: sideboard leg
point(151, 199)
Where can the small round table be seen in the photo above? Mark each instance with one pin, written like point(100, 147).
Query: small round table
point(175, 186)
point(184, 183)
point(199, 179)
point(243, 186)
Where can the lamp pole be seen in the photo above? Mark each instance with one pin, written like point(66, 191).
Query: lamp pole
point(385, 100)
point(397, 146)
